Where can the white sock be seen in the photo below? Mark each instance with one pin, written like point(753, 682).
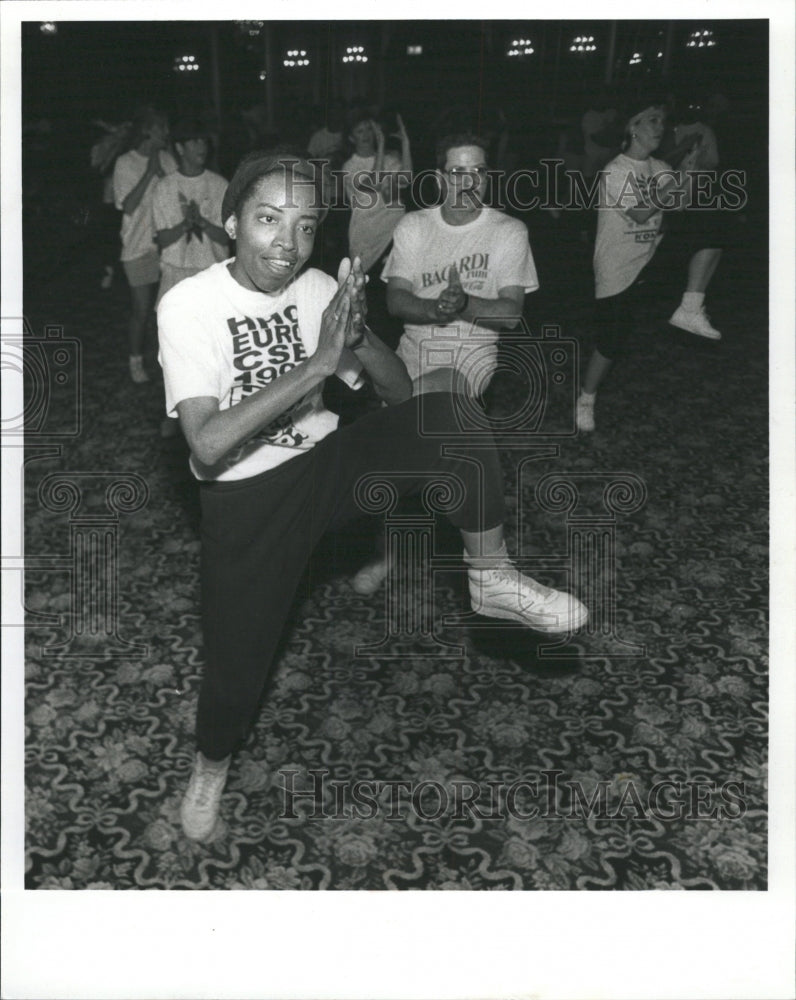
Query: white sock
point(136, 357)
point(587, 397)
point(487, 560)
point(692, 301)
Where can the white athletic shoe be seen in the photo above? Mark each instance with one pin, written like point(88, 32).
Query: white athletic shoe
point(370, 577)
point(499, 590)
point(694, 322)
point(584, 413)
point(200, 805)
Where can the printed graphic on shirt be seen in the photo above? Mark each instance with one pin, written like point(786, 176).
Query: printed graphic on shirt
point(473, 271)
point(262, 350)
point(194, 231)
point(640, 188)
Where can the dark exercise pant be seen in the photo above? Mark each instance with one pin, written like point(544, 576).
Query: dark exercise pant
point(661, 282)
point(258, 534)
point(388, 328)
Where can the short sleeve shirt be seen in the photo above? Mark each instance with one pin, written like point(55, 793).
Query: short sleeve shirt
point(222, 340)
point(490, 253)
point(170, 202)
point(623, 247)
point(138, 227)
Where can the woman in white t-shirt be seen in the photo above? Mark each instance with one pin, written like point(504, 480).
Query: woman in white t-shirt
point(134, 177)
point(635, 189)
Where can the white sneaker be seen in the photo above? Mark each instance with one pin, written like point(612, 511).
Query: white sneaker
point(694, 322)
point(371, 577)
point(584, 413)
point(500, 591)
point(200, 805)
point(137, 372)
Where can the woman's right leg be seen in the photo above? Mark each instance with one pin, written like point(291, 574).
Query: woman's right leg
point(142, 298)
point(256, 542)
point(613, 318)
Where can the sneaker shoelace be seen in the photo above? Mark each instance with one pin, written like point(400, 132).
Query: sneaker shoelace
point(206, 785)
point(506, 573)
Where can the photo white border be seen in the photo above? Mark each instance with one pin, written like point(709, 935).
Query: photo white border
point(622, 945)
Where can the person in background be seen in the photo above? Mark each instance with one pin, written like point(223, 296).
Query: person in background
point(373, 177)
point(634, 189)
point(186, 209)
point(456, 276)
point(327, 142)
point(104, 153)
point(705, 227)
point(602, 137)
point(134, 177)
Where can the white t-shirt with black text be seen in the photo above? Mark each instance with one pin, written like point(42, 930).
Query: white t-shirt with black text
point(220, 339)
point(623, 247)
point(490, 253)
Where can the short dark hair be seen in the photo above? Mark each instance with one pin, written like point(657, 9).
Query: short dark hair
point(144, 119)
point(189, 128)
point(453, 141)
point(261, 163)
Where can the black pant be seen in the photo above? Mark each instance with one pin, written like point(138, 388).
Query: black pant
point(258, 534)
point(657, 286)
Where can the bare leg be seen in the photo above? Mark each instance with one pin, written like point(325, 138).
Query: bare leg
point(142, 298)
point(596, 371)
point(701, 269)
point(690, 314)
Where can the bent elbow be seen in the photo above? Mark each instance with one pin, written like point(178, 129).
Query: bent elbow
point(206, 452)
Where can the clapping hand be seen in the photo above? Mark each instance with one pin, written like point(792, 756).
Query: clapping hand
point(335, 322)
point(351, 277)
point(453, 299)
point(193, 220)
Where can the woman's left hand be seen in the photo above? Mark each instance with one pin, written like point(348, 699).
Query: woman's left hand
point(356, 295)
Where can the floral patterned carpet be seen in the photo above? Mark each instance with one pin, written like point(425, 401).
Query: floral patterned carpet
point(632, 758)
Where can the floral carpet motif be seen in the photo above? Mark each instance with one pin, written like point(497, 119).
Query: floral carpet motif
point(635, 758)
